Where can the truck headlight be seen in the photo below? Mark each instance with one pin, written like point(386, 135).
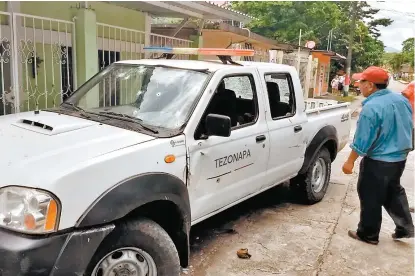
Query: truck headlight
point(28, 210)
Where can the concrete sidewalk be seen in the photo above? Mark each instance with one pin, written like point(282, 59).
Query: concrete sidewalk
point(290, 239)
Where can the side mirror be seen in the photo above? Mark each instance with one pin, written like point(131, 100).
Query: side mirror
point(218, 125)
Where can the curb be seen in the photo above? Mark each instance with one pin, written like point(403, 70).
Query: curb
point(403, 82)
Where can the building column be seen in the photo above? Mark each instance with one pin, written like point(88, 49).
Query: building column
point(197, 42)
point(147, 33)
point(86, 51)
point(197, 39)
point(14, 75)
point(309, 74)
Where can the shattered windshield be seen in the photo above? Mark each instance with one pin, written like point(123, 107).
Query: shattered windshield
point(154, 95)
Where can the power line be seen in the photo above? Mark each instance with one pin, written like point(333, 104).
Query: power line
point(408, 17)
point(350, 49)
point(309, 32)
point(395, 11)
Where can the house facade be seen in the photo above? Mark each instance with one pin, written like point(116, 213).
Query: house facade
point(48, 49)
point(407, 72)
point(324, 59)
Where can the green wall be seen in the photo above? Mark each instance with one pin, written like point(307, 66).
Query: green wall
point(3, 6)
point(3, 18)
point(66, 10)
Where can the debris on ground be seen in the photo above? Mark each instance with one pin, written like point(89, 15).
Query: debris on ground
point(243, 253)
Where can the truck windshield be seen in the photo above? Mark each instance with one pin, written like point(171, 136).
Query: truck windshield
point(154, 95)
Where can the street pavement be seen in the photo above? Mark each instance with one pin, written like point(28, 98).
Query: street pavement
point(288, 238)
point(396, 86)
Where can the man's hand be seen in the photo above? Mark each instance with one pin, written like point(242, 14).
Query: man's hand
point(348, 167)
point(349, 164)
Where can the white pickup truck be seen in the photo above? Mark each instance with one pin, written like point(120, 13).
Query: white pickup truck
point(110, 182)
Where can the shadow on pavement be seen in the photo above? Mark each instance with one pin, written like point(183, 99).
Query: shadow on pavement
point(222, 223)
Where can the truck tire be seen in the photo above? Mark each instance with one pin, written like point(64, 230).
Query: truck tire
point(312, 185)
point(142, 246)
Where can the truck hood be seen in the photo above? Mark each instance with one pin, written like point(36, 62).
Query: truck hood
point(50, 142)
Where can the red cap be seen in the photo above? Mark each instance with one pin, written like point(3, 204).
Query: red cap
point(373, 74)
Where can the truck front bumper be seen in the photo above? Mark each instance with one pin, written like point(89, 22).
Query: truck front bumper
point(58, 254)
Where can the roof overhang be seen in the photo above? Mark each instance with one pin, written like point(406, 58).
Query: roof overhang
point(236, 34)
point(332, 55)
point(251, 36)
point(183, 9)
point(223, 27)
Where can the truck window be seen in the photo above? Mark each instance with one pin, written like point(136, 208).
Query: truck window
point(241, 86)
point(156, 95)
point(281, 95)
point(235, 97)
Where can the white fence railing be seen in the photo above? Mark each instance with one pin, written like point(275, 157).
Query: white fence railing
point(163, 41)
point(37, 57)
point(117, 43)
point(311, 104)
point(261, 55)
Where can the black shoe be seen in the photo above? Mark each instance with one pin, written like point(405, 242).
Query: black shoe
point(397, 236)
point(353, 234)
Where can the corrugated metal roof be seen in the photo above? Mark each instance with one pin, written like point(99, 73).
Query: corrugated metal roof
point(231, 10)
point(182, 9)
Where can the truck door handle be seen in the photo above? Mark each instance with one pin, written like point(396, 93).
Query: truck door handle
point(298, 128)
point(260, 138)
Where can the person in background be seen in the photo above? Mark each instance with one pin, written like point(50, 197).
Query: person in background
point(334, 85)
point(383, 139)
point(356, 87)
point(342, 77)
point(409, 94)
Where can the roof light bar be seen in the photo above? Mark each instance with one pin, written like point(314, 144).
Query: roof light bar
point(201, 51)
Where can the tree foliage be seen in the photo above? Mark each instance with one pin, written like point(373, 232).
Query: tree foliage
point(282, 21)
point(396, 60)
point(408, 51)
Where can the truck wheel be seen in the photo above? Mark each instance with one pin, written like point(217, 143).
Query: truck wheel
point(138, 248)
point(314, 182)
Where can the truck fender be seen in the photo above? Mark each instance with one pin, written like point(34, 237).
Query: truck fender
point(129, 195)
point(325, 136)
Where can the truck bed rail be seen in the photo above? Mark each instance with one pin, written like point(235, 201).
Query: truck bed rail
point(317, 105)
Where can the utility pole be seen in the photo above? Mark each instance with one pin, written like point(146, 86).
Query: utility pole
point(298, 54)
point(349, 51)
point(329, 37)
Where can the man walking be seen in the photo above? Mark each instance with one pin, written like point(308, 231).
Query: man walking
point(383, 138)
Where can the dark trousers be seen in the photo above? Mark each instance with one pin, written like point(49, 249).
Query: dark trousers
point(379, 185)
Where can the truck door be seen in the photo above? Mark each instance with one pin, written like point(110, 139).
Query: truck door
point(224, 170)
point(285, 124)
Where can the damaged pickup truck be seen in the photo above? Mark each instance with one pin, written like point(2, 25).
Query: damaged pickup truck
point(110, 182)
